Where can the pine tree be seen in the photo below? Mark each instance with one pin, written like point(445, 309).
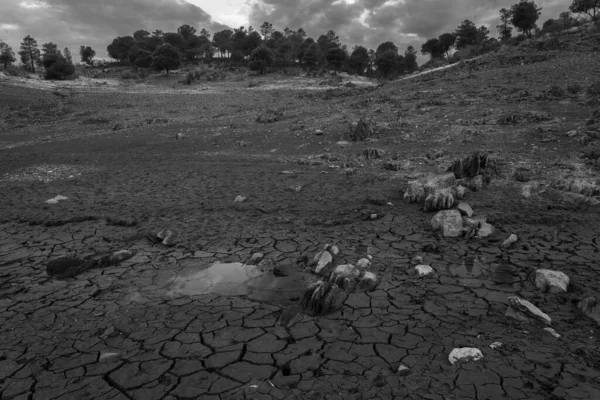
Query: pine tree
point(30, 53)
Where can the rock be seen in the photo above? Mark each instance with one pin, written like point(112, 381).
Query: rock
point(179, 136)
point(318, 132)
point(280, 270)
point(240, 199)
point(485, 230)
point(363, 263)
point(551, 281)
point(523, 310)
point(441, 199)
point(474, 183)
point(438, 182)
point(322, 298)
point(591, 308)
point(63, 265)
point(121, 255)
point(118, 127)
point(471, 223)
point(465, 209)
point(343, 143)
point(109, 357)
point(510, 240)
point(460, 192)
point(294, 188)
point(552, 332)
point(368, 282)
point(56, 199)
point(333, 250)
point(416, 260)
point(470, 166)
point(324, 260)
point(414, 193)
point(465, 354)
point(256, 258)
point(345, 277)
point(424, 270)
point(496, 345)
point(403, 370)
point(449, 222)
point(167, 237)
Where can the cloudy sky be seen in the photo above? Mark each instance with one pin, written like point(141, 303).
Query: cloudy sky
point(71, 23)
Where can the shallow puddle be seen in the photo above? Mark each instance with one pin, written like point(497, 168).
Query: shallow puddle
point(237, 279)
point(475, 271)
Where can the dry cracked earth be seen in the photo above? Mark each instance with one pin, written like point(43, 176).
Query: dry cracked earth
point(155, 327)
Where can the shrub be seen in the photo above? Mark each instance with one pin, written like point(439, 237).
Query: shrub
point(61, 69)
point(574, 88)
point(189, 78)
point(594, 89)
point(128, 75)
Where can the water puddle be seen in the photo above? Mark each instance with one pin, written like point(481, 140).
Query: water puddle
point(238, 279)
point(475, 271)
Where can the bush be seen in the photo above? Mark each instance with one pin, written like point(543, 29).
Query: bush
point(128, 75)
point(189, 78)
point(13, 70)
point(574, 88)
point(59, 70)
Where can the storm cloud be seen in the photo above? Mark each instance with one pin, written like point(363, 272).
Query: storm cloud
point(72, 23)
point(371, 22)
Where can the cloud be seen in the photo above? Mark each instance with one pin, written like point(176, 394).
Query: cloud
point(72, 23)
point(371, 22)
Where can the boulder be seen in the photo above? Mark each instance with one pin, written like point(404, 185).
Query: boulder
point(550, 281)
point(524, 310)
point(322, 298)
point(424, 270)
point(441, 199)
point(324, 260)
point(475, 183)
point(470, 166)
point(345, 277)
point(256, 258)
point(591, 308)
point(438, 182)
point(510, 240)
point(465, 354)
point(368, 281)
point(363, 263)
point(485, 230)
point(449, 222)
point(465, 209)
point(415, 192)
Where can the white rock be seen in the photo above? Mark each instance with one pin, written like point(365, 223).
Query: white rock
point(334, 250)
point(465, 209)
point(550, 281)
point(343, 143)
point(363, 263)
point(56, 199)
point(403, 370)
point(109, 357)
point(552, 332)
point(510, 240)
point(465, 354)
point(256, 258)
point(424, 270)
point(485, 230)
point(346, 269)
point(460, 192)
point(523, 310)
point(324, 259)
point(496, 345)
point(240, 199)
point(449, 222)
point(318, 132)
point(368, 281)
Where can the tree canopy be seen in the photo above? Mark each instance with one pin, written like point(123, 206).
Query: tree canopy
point(589, 7)
point(7, 55)
point(87, 55)
point(524, 15)
point(166, 57)
point(30, 53)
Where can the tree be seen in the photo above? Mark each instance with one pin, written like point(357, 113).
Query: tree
point(386, 46)
point(386, 62)
point(87, 55)
point(433, 47)
point(186, 32)
point(482, 34)
point(49, 48)
point(266, 30)
point(336, 57)
point(237, 57)
point(504, 29)
point(50, 58)
point(175, 39)
point(359, 59)
point(119, 48)
point(261, 58)
point(565, 19)
point(143, 59)
point(589, 7)
point(68, 56)
point(447, 40)
point(222, 41)
point(311, 54)
point(61, 69)
point(251, 42)
point(166, 57)
point(410, 59)
point(141, 35)
point(7, 55)
point(466, 34)
point(30, 53)
point(524, 16)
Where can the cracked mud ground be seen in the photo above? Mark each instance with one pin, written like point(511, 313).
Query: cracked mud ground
point(164, 345)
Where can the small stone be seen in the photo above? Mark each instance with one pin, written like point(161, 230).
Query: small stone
point(318, 132)
point(460, 192)
point(368, 282)
point(551, 281)
point(403, 370)
point(510, 240)
point(345, 277)
point(121, 255)
point(240, 199)
point(109, 357)
point(523, 310)
point(449, 222)
point(323, 259)
point(424, 270)
point(552, 332)
point(179, 136)
point(343, 143)
point(373, 216)
point(485, 230)
point(496, 345)
point(346, 269)
point(465, 354)
point(334, 250)
point(363, 263)
point(591, 308)
point(465, 209)
point(56, 199)
point(572, 133)
point(416, 260)
point(472, 223)
point(256, 258)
